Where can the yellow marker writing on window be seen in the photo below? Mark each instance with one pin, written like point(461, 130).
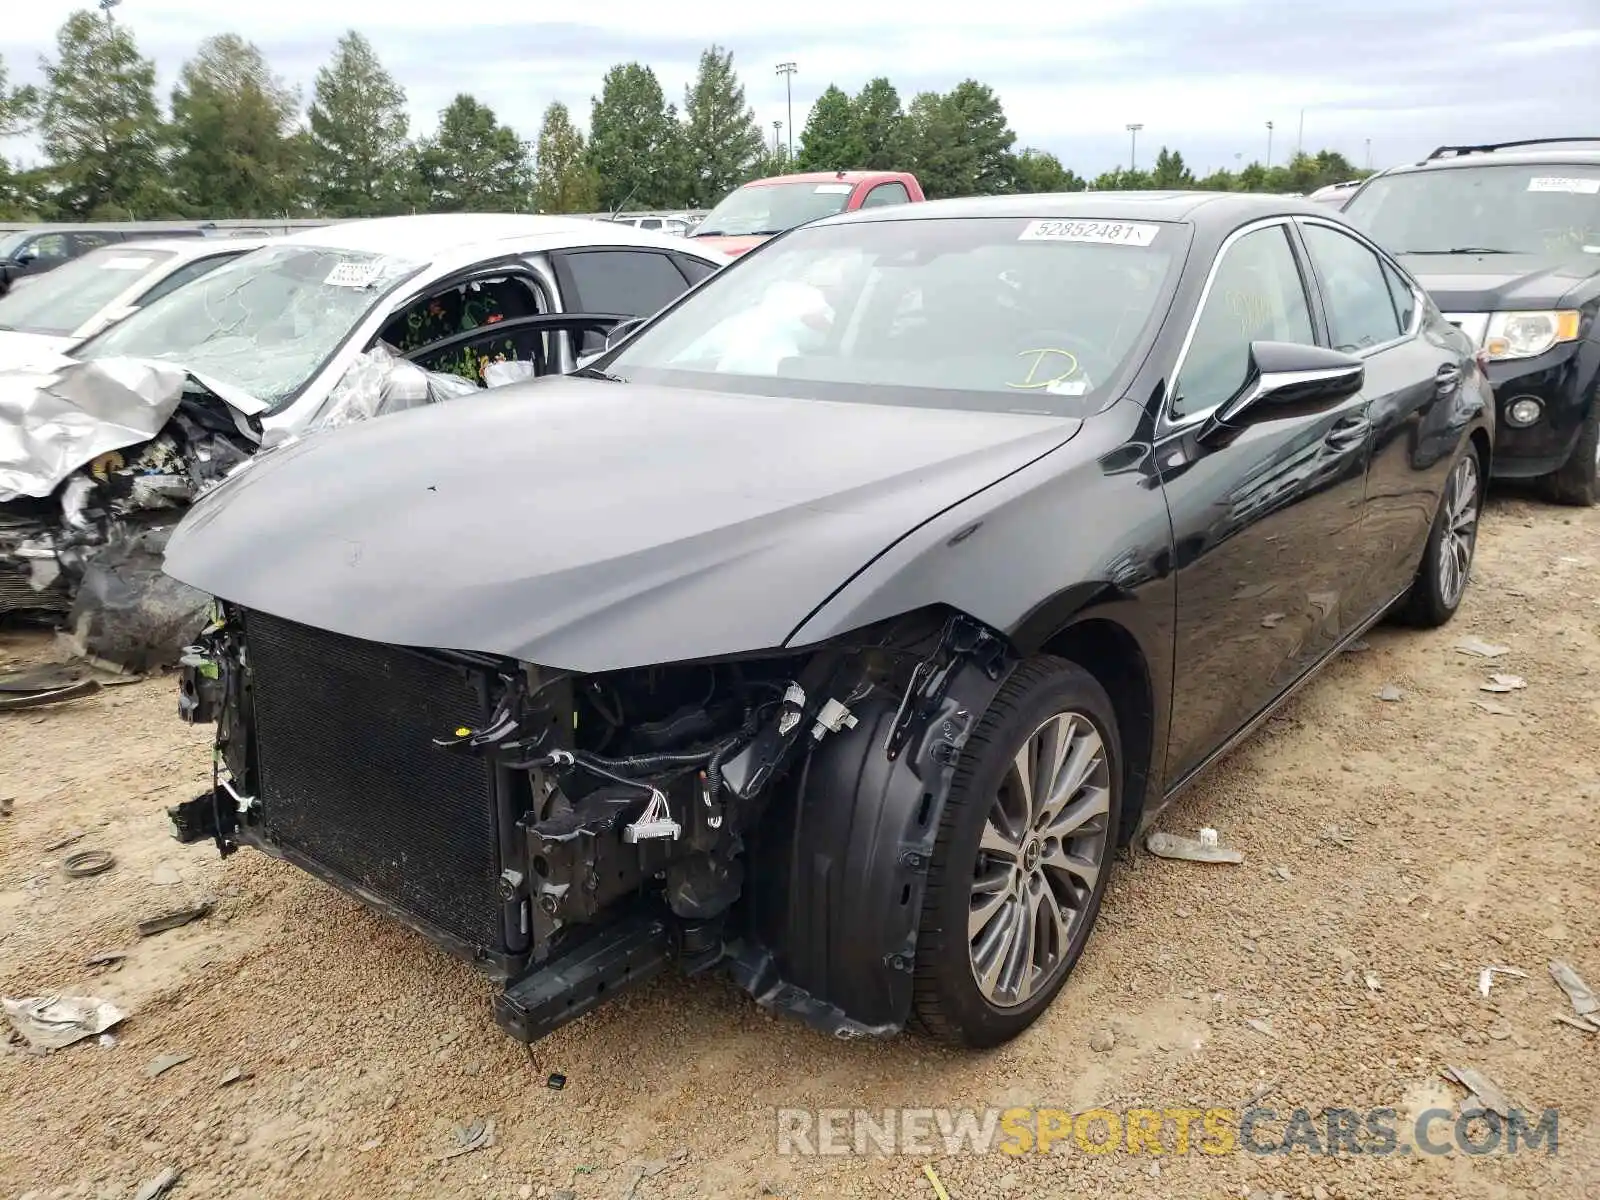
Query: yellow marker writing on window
point(1054, 358)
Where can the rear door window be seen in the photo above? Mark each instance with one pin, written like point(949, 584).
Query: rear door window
point(630, 283)
point(1355, 291)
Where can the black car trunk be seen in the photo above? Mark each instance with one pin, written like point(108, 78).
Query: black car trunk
point(353, 788)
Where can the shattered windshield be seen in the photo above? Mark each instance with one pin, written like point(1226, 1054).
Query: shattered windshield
point(1506, 209)
point(62, 300)
point(773, 208)
point(264, 323)
point(1004, 314)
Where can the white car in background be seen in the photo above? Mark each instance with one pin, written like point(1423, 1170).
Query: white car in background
point(673, 225)
point(62, 307)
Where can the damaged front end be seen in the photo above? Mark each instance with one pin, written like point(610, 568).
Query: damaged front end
point(771, 815)
point(97, 463)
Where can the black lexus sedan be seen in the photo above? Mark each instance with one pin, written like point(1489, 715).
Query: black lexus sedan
point(1506, 239)
point(834, 627)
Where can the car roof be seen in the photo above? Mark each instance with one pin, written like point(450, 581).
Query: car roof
point(1546, 156)
point(435, 235)
point(825, 177)
point(1190, 208)
point(192, 247)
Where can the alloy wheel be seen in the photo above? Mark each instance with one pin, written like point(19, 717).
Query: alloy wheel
point(1460, 529)
point(1042, 849)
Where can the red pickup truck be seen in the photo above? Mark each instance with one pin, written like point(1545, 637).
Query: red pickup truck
point(749, 215)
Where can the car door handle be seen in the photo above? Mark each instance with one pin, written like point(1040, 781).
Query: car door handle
point(1348, 432)
point(1447, 376)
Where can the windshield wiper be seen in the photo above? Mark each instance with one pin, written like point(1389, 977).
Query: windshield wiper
point(1462, 250)
point(709, 233)
point(597, 373)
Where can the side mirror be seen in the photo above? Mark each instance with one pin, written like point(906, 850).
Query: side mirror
point(621, 330)
point(27, 254)
point(1289, 376)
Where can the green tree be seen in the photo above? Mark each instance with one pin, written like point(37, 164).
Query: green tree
point(1122, 180)
point(1038, 171)
point(635, 144)
point(1253, 178)
point(18, 106)
point(1220, 180)
point(831, 140)
point(1170, 173)
point(960, 143)
point(359, 156)
point(721, 139)
point(99, 124)
point(473, 163)
point(880, 126)
point(564, 182)
point(237, 153)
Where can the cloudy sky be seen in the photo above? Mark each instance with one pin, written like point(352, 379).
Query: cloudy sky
point(1203, 76)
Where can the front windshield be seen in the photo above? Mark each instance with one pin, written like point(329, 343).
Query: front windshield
point(1004, 314)
point(60, 301)
point(773, 207)
point(11, 243)
point(1510, 209)
point(264, 323)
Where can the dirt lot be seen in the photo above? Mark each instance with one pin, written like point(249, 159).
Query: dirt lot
point(1318, 974)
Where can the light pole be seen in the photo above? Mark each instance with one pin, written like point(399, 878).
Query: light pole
point(1369, 154)
point(1269, 145)
point(787, 70)
point(777, 137)
point(1133, 147)
point(106, 6)
point(1300, 137)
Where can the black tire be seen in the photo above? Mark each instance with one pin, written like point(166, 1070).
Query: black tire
point(1432, 600)
point(948, 1003)
point(1578, 481)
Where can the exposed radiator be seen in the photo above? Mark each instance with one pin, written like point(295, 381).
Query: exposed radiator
point(350, 778)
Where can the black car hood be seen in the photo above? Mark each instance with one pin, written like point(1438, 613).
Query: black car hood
point(589, 525)
point(1460, 283)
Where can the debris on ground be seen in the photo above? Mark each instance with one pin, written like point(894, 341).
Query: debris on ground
point(54, 1022)
point(234, 1075)
point(476, 1134)
point(1390, 694)
point(85, 863)
point(1504, 683)
point(14, 701)
point(1578, 1023)
point(163, 1063)
point(556, 1082)
point(1357, 647)
point(1339, 836)
point(158, 1185)
point(106, 958)
point(1579, 992)
point(1204, 849)
point(1486, 977)
point(1282, 874)
point(1261, 1027)
point(1494, 708)
point(1101, 1041)
point(63, 843)
point(1480, 648)
point(1374, 984)
point(174, 920)
point(1483, 1093)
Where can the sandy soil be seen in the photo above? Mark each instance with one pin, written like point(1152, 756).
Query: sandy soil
point(1463, 838)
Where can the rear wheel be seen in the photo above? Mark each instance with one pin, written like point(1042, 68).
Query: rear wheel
point(1578, 480)
point(1447, 561)
point(1022, 857)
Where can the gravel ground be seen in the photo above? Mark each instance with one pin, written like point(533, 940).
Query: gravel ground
point(1329, 970)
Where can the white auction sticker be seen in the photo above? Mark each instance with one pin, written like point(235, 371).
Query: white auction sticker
point(1557, 183)
point(353, 274)
point(125, 264)
point(1113, 233)
point(836, 189)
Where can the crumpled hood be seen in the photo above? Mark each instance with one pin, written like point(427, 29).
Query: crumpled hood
point(57, 414)
point(1468, 283)
point(589, 525)
point(19, 349)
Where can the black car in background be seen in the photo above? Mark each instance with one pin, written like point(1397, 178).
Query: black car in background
point(834, 627)
point(1506, 239)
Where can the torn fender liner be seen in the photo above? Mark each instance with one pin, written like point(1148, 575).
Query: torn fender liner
point(59, 414)
point(129, 611)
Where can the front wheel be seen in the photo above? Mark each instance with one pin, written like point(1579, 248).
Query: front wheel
point(1578, 481)
point(1441, 580)
point(1022, 858)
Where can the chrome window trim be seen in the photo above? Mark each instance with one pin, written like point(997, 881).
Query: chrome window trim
point(1169, 422)
point(1418, 297)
